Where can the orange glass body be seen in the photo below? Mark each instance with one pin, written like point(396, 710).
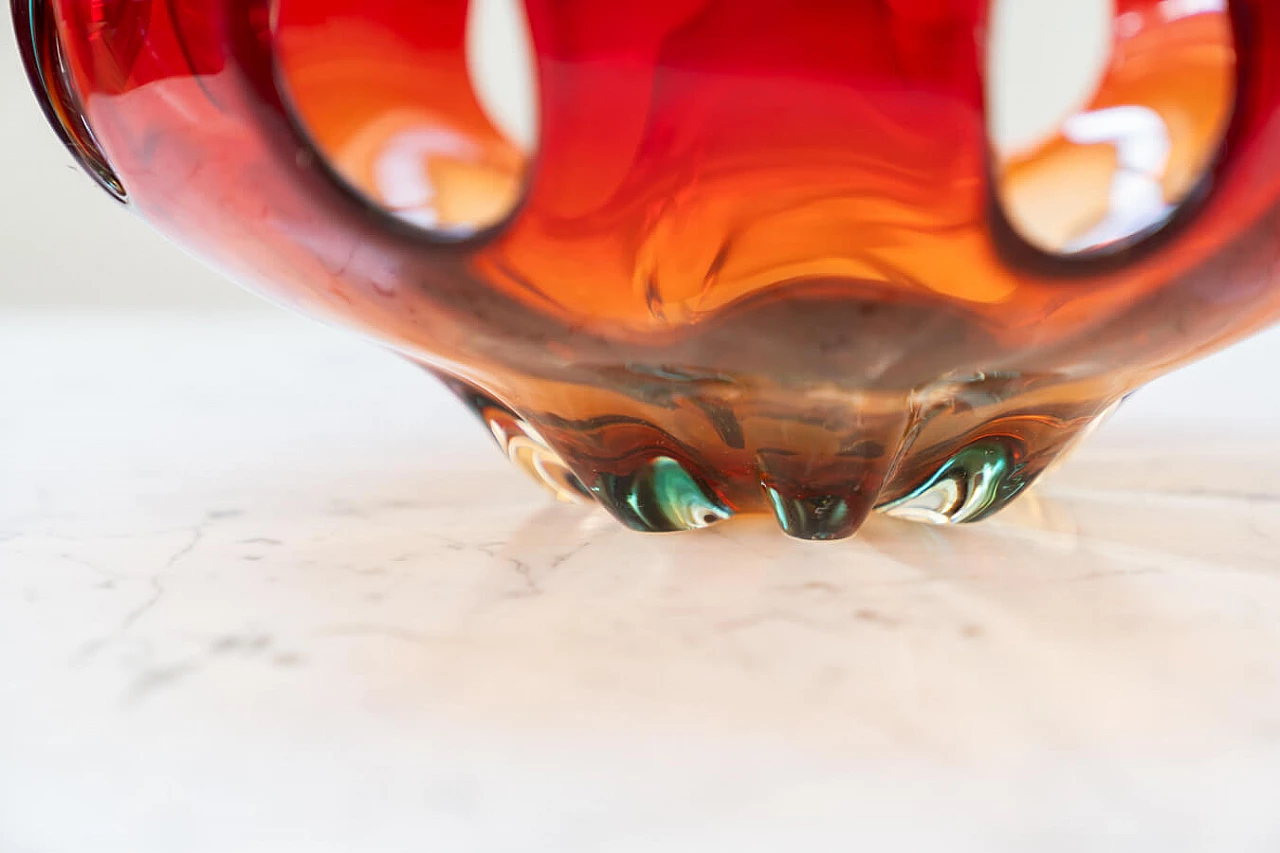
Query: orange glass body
point(763, 255)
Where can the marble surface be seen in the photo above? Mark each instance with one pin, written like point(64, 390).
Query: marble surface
point(266, 588)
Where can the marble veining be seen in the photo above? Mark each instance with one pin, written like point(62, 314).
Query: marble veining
point(236, 584)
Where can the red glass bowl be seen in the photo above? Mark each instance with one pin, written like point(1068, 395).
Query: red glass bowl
point(719, 257)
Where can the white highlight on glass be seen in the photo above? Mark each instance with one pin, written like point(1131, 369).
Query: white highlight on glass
point(1136, 201)
point(400, 173)
point(1172, 10)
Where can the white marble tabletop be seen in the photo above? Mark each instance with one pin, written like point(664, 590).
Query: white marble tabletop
point(265, 588)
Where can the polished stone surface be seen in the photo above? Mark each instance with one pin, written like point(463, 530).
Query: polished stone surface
point(265, 588)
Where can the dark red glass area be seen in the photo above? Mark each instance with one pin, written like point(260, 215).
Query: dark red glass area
point(698, 258)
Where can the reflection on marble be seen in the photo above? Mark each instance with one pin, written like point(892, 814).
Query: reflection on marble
point(303, 607)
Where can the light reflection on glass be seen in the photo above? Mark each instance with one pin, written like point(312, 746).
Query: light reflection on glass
point(432, 121)
point(1116, 167)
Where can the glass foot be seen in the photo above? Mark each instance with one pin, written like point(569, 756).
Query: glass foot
point(956, 454)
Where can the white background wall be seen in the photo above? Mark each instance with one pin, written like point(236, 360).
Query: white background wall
point(62, 240)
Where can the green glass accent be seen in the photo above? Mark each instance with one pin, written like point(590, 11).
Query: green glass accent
point(661, 497)
point(974, 483)
point(818, 518)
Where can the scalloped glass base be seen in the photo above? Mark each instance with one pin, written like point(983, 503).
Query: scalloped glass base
point(818, 460)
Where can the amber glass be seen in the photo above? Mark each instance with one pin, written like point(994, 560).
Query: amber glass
point(741, 255)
